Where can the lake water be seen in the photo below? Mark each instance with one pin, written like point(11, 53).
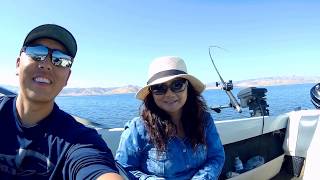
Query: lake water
point(115, 110)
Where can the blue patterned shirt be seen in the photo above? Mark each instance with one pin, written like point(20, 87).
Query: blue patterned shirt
point(180, 161)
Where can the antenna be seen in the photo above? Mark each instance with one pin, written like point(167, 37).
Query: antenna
point(227, 87)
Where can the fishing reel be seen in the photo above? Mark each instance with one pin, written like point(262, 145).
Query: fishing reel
point(228, 86)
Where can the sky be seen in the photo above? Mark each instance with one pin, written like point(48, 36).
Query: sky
point(118, 39)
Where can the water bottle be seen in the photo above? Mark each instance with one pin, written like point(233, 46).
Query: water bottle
point(238, 166)
point(254, 162)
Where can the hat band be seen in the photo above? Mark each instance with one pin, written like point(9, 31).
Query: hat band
point(165, 74)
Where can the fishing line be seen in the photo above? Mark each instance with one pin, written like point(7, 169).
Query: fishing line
point(213, 61)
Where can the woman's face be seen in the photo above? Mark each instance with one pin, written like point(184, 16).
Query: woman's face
point(171, 96)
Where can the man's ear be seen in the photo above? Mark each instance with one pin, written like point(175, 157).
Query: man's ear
point(17, 65)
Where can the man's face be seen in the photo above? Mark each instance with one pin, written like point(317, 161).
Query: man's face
point(41, 81)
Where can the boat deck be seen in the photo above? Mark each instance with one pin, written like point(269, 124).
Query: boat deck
point(284, 175)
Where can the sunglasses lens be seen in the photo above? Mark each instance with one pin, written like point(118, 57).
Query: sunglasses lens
point(159, 89)
point(37, 53)
point(178, 85)
point(61, 59)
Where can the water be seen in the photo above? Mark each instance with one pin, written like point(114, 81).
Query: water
point(115, 110)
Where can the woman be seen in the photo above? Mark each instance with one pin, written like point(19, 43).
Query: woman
point(174, 137)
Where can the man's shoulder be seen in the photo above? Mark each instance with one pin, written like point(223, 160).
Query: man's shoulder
point(3, 100)
point(5, 105)
point(66, 119)
point(69, 126)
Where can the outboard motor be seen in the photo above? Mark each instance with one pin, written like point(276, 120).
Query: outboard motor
point(315, 95)
point(255, 99)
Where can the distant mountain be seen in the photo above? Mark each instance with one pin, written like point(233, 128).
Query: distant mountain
point(268, 81)
point(271, 81)
point(98, 91)
point(87, 91)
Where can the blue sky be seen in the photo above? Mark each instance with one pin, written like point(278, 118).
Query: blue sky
point(118, 39)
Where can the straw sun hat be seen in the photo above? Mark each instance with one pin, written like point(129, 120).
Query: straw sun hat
point(166, 68)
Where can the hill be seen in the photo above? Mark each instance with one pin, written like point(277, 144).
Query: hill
point(98, 91)
point(268, 81)
point(271, 81)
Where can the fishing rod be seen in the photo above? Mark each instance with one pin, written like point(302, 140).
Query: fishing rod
point(226, 86)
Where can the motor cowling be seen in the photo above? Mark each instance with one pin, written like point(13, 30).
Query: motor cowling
point(255, 99)
point(315, 95)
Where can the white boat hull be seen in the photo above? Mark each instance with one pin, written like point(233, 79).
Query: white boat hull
point(252, 131)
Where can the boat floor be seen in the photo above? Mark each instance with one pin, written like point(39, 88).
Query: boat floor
point(284, 175)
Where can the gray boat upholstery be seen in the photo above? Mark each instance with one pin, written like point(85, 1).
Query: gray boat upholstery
point(311, 168)
point(301, 129)
point(303, 142)
point(111, 137)
point(250, 137)
point(235, 130)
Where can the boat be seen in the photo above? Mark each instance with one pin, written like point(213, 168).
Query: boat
point(287, 143)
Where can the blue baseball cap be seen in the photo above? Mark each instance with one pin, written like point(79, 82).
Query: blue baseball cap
point(55, 32)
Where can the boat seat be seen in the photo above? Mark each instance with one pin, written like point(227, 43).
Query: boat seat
point(302, 140)
point(111, 137)
point(311, 169)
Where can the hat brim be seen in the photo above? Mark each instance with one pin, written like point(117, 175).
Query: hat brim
point(196, 83)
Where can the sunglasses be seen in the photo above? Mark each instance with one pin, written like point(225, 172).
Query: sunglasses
point(176, 87)
point(40, 52)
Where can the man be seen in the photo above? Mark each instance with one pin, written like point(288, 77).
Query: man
point(38, 140)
